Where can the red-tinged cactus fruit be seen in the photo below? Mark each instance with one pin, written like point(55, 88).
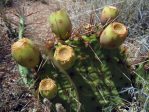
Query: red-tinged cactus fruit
point(48, 88)
point(25, 53)
point(108, 13)
point(49, 44)
point(60, 24)
point(113, 35)
point(65, 56)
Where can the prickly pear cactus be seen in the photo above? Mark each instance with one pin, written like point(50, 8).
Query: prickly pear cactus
point(93, 82)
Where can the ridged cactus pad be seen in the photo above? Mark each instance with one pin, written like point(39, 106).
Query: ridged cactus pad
point(97, 84)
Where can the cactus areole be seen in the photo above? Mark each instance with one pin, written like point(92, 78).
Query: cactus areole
point(108, 14)
point(65, 56)
point(25, 53)
point(48, 88)
point(113, 35)
point(60, 24)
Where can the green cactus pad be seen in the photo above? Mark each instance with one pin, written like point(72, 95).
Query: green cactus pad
point(98, 83)
point(26, 76)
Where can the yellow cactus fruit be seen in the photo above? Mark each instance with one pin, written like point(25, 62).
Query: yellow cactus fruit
point(108, 13)
point(25, 53)
point(65, 56)
point(60, 24)
point(48, 88)
point(113, 35)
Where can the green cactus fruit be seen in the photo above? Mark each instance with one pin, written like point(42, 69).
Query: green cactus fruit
point(48, 88)
point(65, 56)
point(25, 53)
point(113, 35)
point(108, 13)
point(60, 24)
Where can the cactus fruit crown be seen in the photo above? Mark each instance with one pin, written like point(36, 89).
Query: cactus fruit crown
point(119, 28)
point(110, 10)
point(60, 24)
point(113, 35)
point(25, 53)
point(48, 88)
point(65, 55)
point(108, 13)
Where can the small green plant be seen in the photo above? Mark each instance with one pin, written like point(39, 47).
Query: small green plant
point(142, 79)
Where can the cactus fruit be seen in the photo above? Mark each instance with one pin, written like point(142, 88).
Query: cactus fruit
point(108, 14)
point(25, 53)
point(60, 24)
point(113, 35)
point(48, 88)
point(65, 56)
